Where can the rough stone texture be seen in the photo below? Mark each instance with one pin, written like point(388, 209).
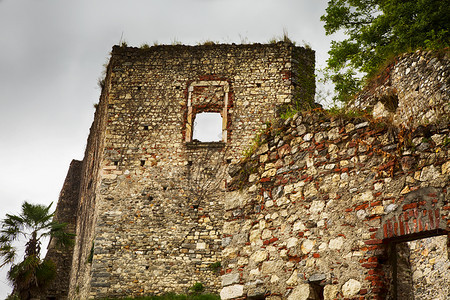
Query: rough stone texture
point(302, 292)
point(414, 90)
point(150, 213)
point(232, 291)
point(230, 279)
point(351, 288)
point(429, 268)
point(333, 206)
point(313, 211)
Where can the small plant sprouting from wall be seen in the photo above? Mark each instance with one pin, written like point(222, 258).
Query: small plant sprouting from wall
point(215, 267)
point(258, 140)
point(197, 288)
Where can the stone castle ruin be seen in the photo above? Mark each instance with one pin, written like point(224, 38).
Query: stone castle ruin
point(317, 206)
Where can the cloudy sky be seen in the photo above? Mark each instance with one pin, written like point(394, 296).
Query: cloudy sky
point(52, 53)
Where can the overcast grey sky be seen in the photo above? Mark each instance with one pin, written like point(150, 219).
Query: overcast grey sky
point(52, 53)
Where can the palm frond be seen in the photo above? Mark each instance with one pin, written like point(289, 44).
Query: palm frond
point(7, 254)
point(11, 226)
point(63, 238)
point(35, 214)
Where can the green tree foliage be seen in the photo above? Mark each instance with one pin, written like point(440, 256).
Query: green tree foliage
point(378, 30)
point(33, 223)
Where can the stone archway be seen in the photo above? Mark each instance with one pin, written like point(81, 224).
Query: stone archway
point(419, 217)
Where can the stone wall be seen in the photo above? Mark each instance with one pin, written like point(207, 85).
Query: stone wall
point(413, 90)
point(151, 198)
point(319, 209)
point(66, 212)
point(80, 273)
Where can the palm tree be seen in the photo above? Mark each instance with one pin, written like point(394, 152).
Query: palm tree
point(35, 222)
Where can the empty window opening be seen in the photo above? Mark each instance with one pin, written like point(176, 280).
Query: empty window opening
point(207, 127)
point(116, 162)
point(390, 101)
point(145, 127)
point(207, 111)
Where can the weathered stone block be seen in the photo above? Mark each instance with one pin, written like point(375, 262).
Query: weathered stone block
point(232, 291)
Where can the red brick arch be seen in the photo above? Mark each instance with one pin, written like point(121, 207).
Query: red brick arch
point(421, 214)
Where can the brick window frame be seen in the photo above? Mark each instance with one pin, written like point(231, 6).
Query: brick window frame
point(191, 111)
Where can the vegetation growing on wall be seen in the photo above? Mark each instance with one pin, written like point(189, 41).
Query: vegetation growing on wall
point(377, 30)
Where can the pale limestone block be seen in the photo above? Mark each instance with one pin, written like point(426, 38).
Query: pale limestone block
point(274, 279)
point(235, 199)
point(405, 190)
point(351, 288)
point(293, 279)
point(380, 111)
point(255, 235)
point(307, 137)
point(310, 190)
point(270, 267)
point(232, 291)
point(302, 292)
point(230, 279)
point(377, 186)
point(349, 127)
point(288, 189)
point(292, 242)
point(332, 148)
point(330, 292)
point(252, 177)
point(333, 134)
point(336, 244)
point(299, 226)
point(243, 261)
point(438, 138)
point(231, 227)
point(317, 206)
point(446, 168)
point(318, 137)
point(263, 158)
point(201, 246)
point(378, 210)
point(307, 246)
point(254, 272)
point(366, 196)
point(230, 252)
point(323, 246)
point(269, 173)
point(259, 256)
point(266, 234)
point(429, 173)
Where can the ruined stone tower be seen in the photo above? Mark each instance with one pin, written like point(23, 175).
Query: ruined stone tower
point(150, 205)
